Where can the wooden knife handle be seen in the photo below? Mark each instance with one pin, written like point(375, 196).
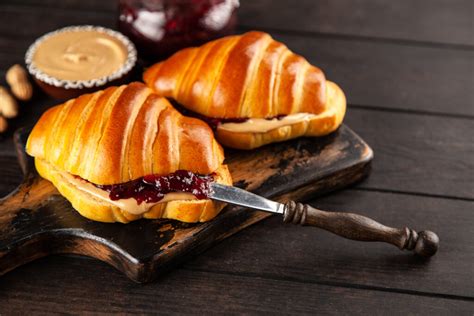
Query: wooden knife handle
point(358, 227)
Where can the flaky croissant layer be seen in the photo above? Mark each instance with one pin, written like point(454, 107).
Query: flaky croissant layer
point(251, 76)
point(242, 76)
point(123, 133)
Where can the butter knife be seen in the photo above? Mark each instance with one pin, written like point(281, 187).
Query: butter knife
point(347, 225)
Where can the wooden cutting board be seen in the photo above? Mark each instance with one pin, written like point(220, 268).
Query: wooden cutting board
point(36, 221)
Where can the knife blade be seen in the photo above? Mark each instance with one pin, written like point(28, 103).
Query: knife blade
point(236, 196)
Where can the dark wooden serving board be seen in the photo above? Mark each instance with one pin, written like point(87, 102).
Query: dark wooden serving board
point(36, 221)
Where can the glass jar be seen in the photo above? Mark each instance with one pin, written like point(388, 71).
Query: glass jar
point(161, 27)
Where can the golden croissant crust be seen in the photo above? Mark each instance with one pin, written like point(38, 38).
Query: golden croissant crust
point(121, 134)
point(250, 76)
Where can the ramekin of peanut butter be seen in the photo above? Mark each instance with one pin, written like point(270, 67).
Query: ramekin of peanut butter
point(78, 59)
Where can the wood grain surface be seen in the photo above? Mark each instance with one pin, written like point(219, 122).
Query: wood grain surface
point(36, 221)
point(412, 150)
point(406, 68)
point(402, 22)
point(339, 261)
point(185, 291)
point(447, 69)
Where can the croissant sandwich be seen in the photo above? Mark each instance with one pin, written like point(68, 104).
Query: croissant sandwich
point(125, 153)
point(252, 88)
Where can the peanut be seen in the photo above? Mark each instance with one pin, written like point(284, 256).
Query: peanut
point(3, 124)
point(17, 78)
point(8, 105)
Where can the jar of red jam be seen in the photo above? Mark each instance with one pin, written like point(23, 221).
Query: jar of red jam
point(159, 28)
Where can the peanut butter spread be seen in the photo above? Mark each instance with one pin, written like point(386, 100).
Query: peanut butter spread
point(259, 125)
point(129, 205)
point(80, 55)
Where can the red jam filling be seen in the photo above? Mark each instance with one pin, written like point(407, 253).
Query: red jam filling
point(214, 122)
point(152, 188)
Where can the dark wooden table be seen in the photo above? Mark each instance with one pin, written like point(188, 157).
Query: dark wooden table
point(407, 70)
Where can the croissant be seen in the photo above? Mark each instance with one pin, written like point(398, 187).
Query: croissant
point(254, 87)
point(120, 154)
